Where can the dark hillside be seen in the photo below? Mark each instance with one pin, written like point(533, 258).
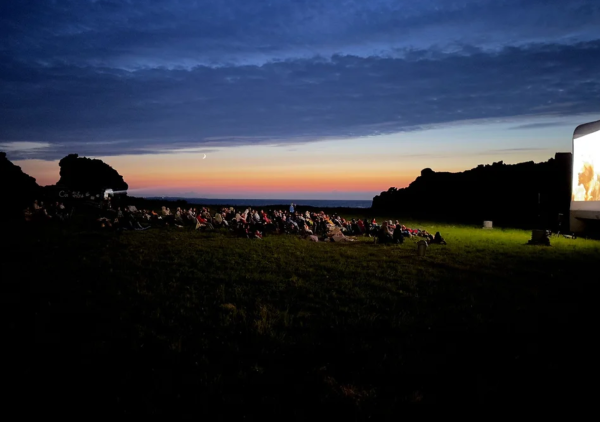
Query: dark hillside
point(506, 194)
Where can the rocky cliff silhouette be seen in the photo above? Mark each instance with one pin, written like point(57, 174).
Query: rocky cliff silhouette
point(521, 194)
point(17, 188)
point(90, 175)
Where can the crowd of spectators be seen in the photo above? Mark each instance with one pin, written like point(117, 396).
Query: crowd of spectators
point(52, 211)
point(250, 222)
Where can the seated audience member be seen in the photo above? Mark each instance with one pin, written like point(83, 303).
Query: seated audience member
point(27, 214)
point(398, 235)
point(178, 218)
point(367, 226)
point(323, 225)
point(265, 218)
point(104, 223)
point(201, 219)
point(361, 226)
point(292, 225)
point(337, 220)
point(385, 235)
point(190, 217)
point(45, 215)
point(169, 218)
point(438, 239)
point(230, 214)
point(239, 218)
point(218, 219)
point(426, 235)
point(204, 222)
point(241, 230)
point(130, 221)
point(306, 230)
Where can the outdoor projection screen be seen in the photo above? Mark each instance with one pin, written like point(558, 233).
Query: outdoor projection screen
point(585, 193)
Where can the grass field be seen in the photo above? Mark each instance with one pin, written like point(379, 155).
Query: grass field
point(176, 321)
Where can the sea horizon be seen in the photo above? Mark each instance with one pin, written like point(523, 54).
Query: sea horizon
point(325, 203)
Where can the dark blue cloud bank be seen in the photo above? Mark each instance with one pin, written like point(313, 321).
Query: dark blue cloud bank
point(130, 77)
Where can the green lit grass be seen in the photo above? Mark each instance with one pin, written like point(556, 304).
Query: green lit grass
point(171, 318)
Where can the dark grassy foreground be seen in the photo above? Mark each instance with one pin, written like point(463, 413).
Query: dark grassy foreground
point(176, 321)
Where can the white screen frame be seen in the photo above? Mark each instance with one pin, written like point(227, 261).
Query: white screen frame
point(591, 132)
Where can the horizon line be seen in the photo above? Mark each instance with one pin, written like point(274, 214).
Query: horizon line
point(253, 199)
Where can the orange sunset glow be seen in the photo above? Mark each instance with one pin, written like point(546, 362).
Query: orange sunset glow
point(338, 169)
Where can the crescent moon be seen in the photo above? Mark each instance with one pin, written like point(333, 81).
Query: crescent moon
point(204, 156)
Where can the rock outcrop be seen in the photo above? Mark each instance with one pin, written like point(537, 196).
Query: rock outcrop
point(89, 175)
point(17, 188)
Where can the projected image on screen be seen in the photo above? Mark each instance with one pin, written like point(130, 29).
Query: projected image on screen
point(586, 167)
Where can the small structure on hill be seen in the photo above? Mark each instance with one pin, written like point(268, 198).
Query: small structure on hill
point(422, 247)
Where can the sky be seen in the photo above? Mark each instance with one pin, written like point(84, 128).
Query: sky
point(304, 99)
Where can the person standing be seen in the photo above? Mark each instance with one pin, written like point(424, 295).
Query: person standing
point(292, 208)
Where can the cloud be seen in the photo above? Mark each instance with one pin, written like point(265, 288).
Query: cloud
point(186, 150)
point(23, 146)
point(539, 125)
point(502, 150)
point(508, 151)
point(110, 78)
point(20, 150)
point(175, 34)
